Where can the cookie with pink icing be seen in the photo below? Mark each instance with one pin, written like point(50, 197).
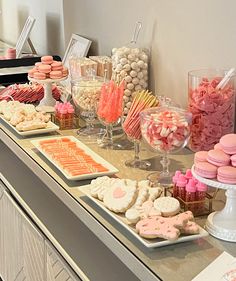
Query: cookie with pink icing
point(167, 228)
point(119, 197)
point(190, 228)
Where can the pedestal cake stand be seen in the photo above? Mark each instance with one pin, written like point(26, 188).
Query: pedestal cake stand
point(222, 224)
point(48, 99)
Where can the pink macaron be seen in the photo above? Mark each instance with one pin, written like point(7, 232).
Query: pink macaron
point(205, 170)
point(47, 59)
point(32, 71)
point(228, 143)
point(44, 68)
point(39, 75)
point(57, 65)
point(226, 174)
point(218, 157)
point(55, 74)
point(65, 71)
point(218, 146)
point(200, 156)
point(233, 160)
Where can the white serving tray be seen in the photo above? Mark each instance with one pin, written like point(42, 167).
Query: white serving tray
point(51, 127)
point(149, 243)
point(111, 169)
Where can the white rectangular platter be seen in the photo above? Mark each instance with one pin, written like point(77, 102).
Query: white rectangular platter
point(111, 169)
point(149, 243)
point(51, 127)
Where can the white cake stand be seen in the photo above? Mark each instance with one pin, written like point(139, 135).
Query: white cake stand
point(48, 99)
point(222, 224)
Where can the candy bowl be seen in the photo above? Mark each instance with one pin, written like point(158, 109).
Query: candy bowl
point(166, 130)
point(86, 93)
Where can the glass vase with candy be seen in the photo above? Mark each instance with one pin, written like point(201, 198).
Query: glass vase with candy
point(165, 130)
point(211, 100)
point(86, 92)
point(110, 110)
point(131, 126)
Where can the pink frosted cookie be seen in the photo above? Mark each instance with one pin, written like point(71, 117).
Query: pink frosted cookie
point(119, 197)
point(200, 156)
point(39, 75)
point(218, 157)
point(47, 59)
point(190, 228)
point(228, 143)
point(55, 74)
point(44, 68)
point(205, 170)
point(227, 174)
point(167, 228)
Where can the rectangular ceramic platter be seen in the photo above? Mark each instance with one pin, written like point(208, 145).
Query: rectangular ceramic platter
point(111, 169)
point(149, 243)
point(51, 127)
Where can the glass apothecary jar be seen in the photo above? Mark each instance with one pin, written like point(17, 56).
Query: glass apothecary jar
point(86, 93)
point(212, 105)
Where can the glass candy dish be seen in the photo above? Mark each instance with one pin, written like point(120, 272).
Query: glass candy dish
point(165, 130)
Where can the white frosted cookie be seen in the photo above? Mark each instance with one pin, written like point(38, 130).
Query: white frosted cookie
point(147, 210)
point(99, 185)
point(154, 193)
point(168, 206)
point(144, 183)
point(132, 215)
point(142, 196)
point(119, 197)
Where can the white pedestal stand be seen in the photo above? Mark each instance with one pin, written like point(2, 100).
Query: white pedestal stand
point(222, 224)
point(48, 99)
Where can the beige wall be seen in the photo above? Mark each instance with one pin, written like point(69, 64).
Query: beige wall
point(48, 32)
point(182, 34)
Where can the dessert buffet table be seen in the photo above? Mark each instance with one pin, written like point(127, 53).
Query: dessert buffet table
point(88, 243)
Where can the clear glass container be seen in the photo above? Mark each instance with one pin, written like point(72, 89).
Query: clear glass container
point(130, 63)
point(212, 107)
point(86, 93)
point(165, 130)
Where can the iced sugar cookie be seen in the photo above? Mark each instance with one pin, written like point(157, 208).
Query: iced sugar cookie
point(119, 197)
point(99, 185)
point(132, 215)
point(168, 206)
point(154, 193)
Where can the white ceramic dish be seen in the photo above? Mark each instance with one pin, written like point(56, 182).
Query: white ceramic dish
point(51, 127)
point(149, 243)
point(111, 169)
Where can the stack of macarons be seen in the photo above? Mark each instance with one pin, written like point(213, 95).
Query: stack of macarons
point(219, 162)
point(48, 69)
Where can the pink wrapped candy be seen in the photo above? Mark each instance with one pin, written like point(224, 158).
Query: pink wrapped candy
point(212, 108)
point(165, 128)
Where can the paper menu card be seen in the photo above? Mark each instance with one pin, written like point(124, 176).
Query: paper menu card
point(222, 268)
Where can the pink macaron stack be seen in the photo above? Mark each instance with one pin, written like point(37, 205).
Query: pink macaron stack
point(219, 162)
point(48, 69)
point(11, 53)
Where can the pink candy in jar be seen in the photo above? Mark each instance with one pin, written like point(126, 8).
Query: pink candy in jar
point(165, 128)
point(212, 107)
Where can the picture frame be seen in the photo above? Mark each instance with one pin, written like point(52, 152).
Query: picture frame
point(24, 36)
point(78, 46)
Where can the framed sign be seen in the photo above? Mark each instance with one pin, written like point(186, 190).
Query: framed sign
point(24, 36)
point(78, 47)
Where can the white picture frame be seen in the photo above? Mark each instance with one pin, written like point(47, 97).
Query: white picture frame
point(24, 36)
point(78, 46)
